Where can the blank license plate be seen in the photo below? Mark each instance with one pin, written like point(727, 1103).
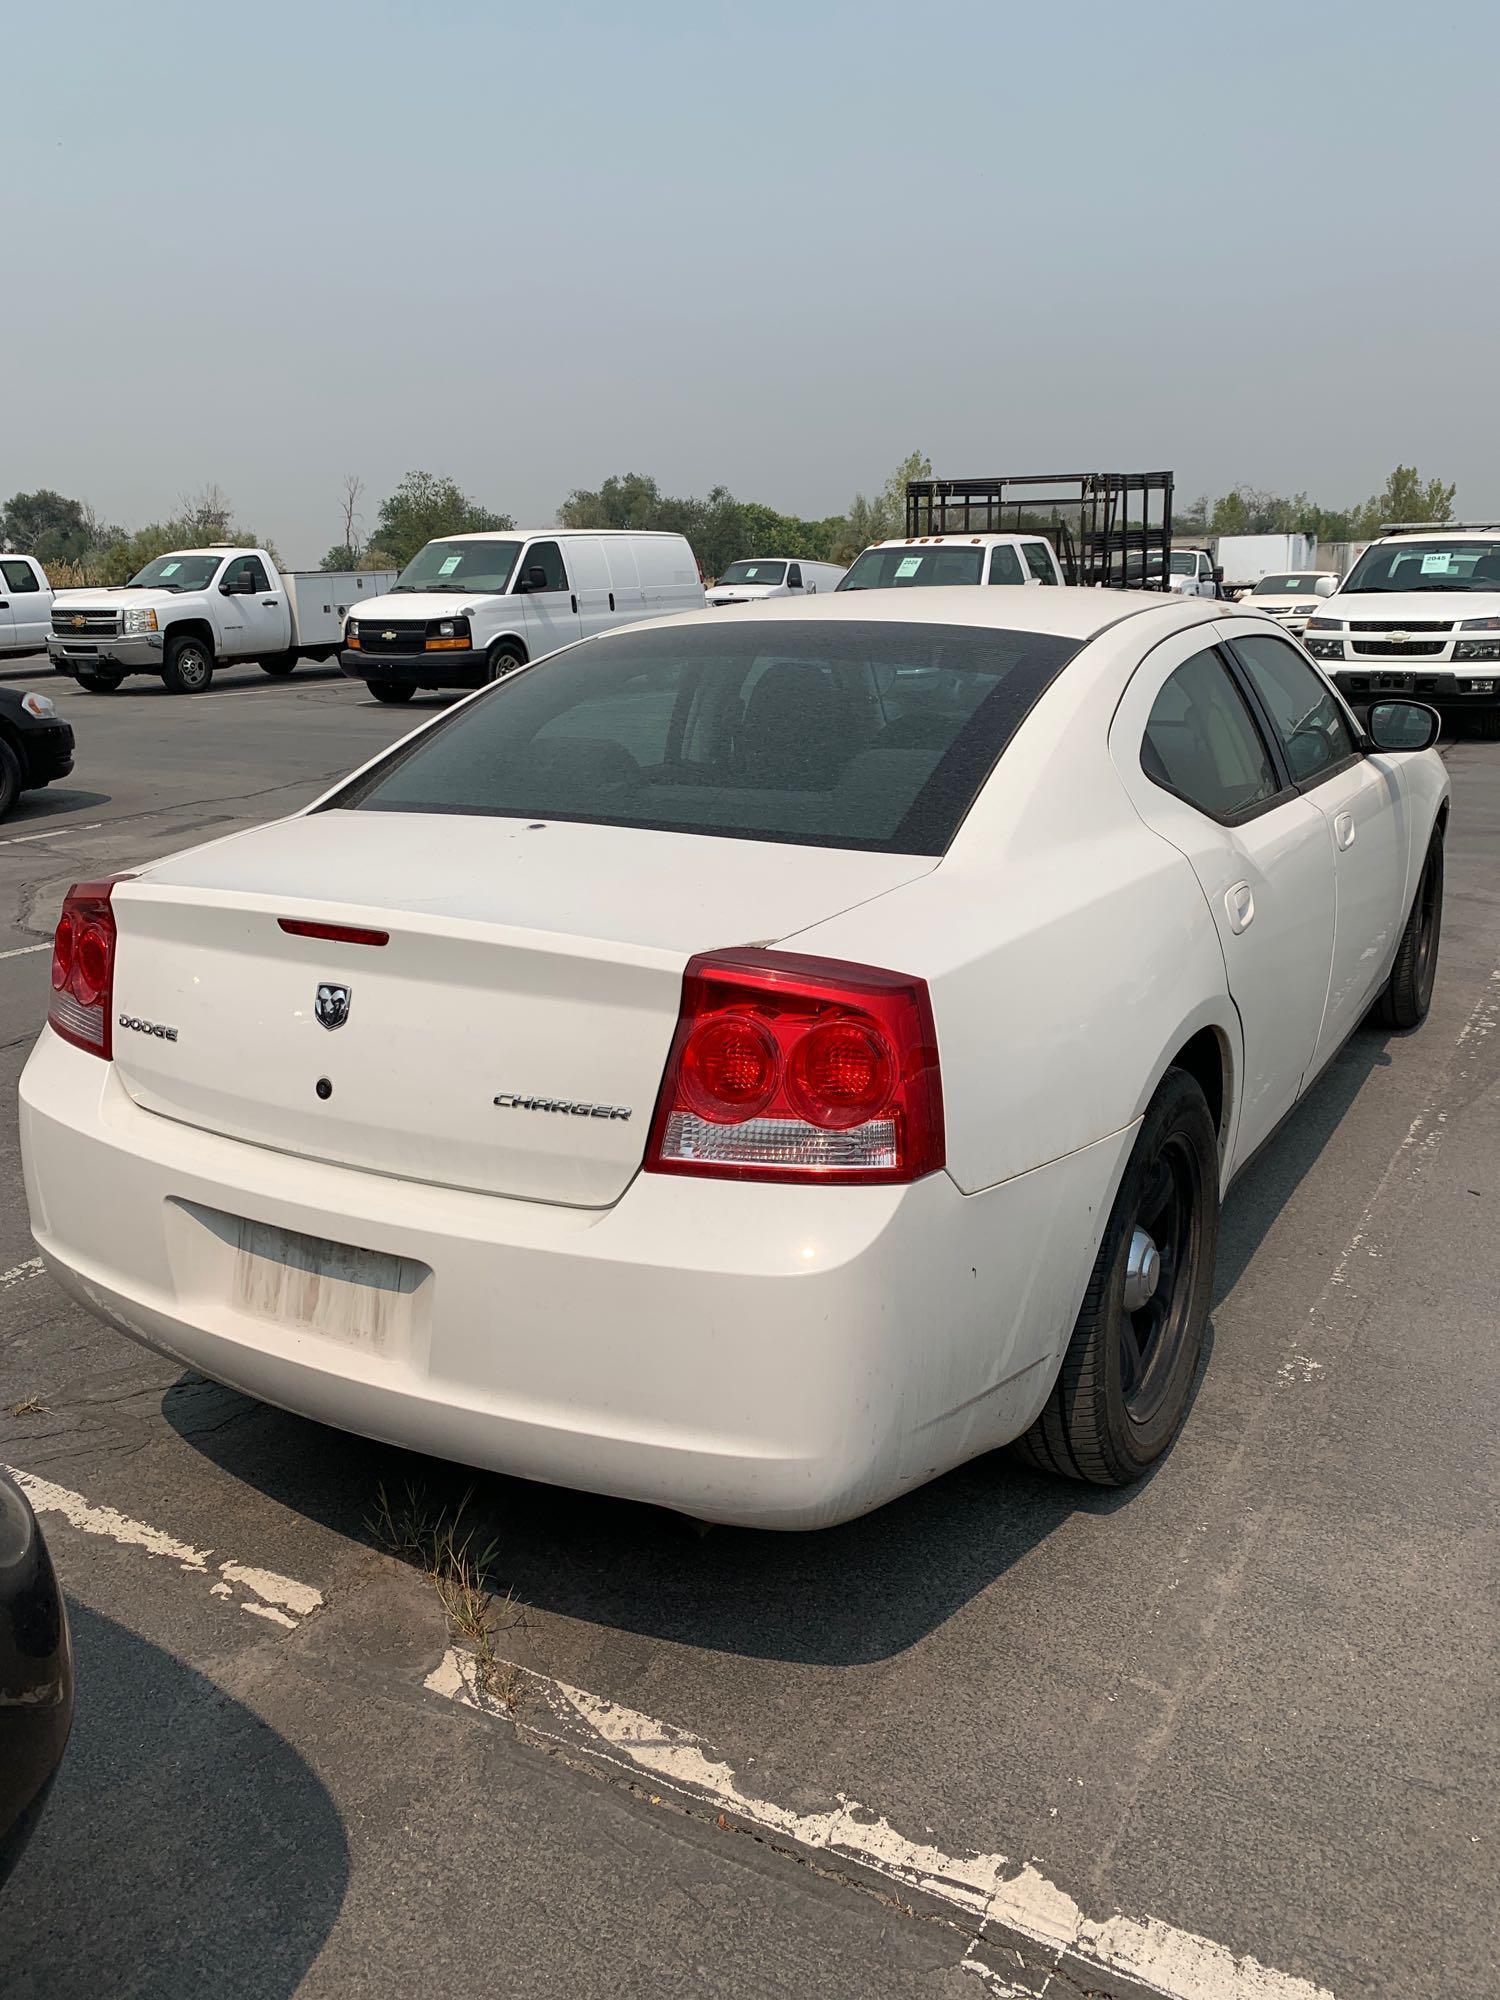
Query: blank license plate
point(361, 1298)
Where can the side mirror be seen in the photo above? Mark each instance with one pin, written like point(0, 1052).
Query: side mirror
point(535, 577)
point(1403, 725)
point(242, 585)
point(1218, 576)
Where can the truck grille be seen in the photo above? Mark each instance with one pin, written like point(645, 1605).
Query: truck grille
point(1393, 649)
point(388, 637)
point(84, 624)
point(1399, 625)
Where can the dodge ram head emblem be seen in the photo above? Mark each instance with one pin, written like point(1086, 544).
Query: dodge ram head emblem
point(332, 1005)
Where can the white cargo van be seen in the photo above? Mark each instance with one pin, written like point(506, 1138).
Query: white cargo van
point(773, 576)
point(469, 608)
point(946, 559)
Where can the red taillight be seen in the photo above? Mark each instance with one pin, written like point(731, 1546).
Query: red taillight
point(788, 1068)
point(83, 967)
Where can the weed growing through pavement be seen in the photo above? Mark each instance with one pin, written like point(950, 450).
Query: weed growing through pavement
point(435, 1541)
point(33, 1406)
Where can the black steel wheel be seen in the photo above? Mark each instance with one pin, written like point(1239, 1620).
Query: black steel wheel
point(391, 691)
point(1123, 1388)
point(1408, 991)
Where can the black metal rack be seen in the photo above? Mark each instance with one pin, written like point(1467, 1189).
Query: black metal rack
point(1109, 528)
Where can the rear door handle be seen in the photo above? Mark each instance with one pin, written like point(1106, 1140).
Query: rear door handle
point(574, 600)
point(611, 600)
point(1239, 907)
point(1344, 829)
point(268, 603)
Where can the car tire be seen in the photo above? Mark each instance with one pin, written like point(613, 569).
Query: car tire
point(391, 691)
point(1127, 1376)
point(10, 778)
point(1408, 991)
point(188, 667)
point(1487, 725)
point(503, 658)
point(280, 666)
point(99, 683)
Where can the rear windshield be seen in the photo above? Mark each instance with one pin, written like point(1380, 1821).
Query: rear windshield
point(848, 734)
point(896, 569)
point(755, 572)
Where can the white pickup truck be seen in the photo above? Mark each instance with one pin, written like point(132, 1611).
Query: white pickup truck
point(196, 609)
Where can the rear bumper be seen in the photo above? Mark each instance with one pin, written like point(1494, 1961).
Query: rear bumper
point(771, 1356)
point(420, 670)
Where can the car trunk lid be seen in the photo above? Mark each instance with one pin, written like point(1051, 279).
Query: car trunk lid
point(509, 1035)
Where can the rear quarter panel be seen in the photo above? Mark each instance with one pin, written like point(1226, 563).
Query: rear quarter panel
point(1068, 949)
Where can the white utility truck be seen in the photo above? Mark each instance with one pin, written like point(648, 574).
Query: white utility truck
point(196, 609)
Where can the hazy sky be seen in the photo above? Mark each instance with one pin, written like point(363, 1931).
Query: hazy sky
point(774, 246)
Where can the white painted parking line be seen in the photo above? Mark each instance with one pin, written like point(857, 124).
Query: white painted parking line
point(25, 950)
point(990, 1888)
point(19, 1273)
point(52, 833)
point(278, 1599)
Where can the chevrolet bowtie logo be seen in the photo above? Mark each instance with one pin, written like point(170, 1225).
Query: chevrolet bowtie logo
point(1398, 638)
point(387, 635)
point(78, 623)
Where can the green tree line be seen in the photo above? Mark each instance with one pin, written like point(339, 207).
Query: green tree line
point(76, 547)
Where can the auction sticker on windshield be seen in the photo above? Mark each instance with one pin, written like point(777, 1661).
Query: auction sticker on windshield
point(448, 565)
point(1442, 562)
point(908, 565)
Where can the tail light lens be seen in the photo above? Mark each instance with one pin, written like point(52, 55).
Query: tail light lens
point(792, 1068)
point(83, 968)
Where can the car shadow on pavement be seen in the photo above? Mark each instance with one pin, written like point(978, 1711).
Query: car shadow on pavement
point(860, 1592)
point(187, 1849)
point(55, 803)
point(1268, 1183)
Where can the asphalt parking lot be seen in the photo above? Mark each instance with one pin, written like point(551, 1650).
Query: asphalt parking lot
point(1230, 1736)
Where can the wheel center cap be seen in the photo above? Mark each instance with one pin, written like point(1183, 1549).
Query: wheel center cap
point(1142, 1271)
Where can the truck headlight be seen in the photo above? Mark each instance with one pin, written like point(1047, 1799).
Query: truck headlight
point(1325, 625)
point(137, 622)
point(42, 706)
point(1480, 625)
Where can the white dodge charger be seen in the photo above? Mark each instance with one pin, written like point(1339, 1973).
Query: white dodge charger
point(750, 1067)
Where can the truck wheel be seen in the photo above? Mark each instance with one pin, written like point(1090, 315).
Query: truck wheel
point(98, 682)
point(281, 665)
point(1487, 725)
point(189, 666)
point(391, 690)
point(503, 658)
point(10, 778)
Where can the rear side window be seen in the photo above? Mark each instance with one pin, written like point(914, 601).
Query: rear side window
point(1039, 562)
point(1304, 713)
point(1005, 564)
point(19, 578)
point(1201, 742)
point(903, 568)
point(855, 734)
